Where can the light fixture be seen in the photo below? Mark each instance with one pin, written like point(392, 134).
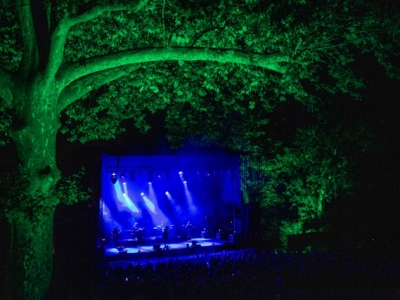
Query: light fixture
point(114, 178)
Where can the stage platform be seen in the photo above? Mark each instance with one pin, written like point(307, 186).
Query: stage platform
point(152, 252)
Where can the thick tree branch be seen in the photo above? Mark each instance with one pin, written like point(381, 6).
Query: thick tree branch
point(73, 71)
point(57, 44)
point(84, 85)
point(29, 61)
point(6, 85)
point(59, 36)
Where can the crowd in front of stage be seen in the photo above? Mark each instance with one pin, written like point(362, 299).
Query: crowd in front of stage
point(254, 274)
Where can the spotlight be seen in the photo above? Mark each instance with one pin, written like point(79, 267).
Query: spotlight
point(141, 194)
point(114, 178)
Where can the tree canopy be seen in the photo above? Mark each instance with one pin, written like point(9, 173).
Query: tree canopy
point(141, 56)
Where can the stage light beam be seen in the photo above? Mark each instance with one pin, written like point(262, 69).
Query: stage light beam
point(150, 205)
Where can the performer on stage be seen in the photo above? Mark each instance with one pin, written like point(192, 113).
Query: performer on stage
point(166, 233)
point(115, 234)
point(188, 228)
point(135, 227)
point(138, 233)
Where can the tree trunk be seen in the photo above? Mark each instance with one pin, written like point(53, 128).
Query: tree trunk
point(31, 258)
point(31, 213)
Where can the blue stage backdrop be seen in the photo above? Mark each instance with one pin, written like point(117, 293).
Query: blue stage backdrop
point(151, 192)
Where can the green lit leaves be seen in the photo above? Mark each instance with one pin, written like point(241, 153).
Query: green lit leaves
point(69, 189)
point(16, 200)
point(10, 37)
point(154, 89)
point(202, 92)
point(5, 122)
point(314, 170)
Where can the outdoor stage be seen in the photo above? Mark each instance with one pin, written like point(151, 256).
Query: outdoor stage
point(194, 200)
point(156, 251)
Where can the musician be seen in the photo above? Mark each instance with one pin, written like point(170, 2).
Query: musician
point(166, 233)
point(115, 234)
point(138, 232)
point(189, 228)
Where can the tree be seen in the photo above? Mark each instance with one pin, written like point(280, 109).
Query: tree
point(82, 67)
point(314, 170)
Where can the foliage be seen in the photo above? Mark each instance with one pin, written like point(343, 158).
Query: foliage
point(315, 170)
point(69, 189)
point(289, 228)
point(16, 202)
point(316, 39)
point(5, 122)
point(11, 46)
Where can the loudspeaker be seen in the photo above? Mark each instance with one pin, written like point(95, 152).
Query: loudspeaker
point(156, 247)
